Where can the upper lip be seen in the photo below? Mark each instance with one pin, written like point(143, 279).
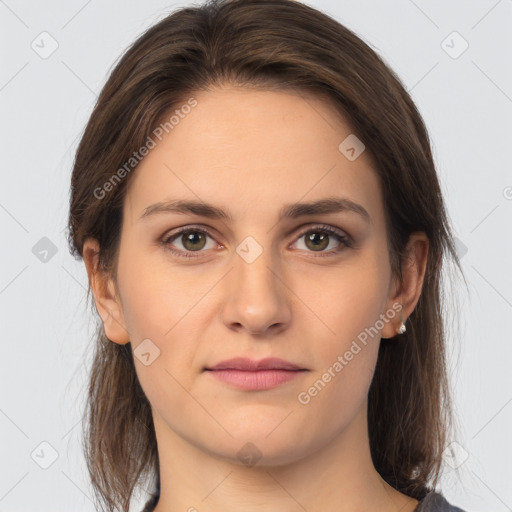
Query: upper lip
point(246, 364)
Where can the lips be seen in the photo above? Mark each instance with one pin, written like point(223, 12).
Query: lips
point(250, 375)
point(250, 365)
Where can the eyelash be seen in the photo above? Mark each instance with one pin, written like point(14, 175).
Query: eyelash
point(345, 241)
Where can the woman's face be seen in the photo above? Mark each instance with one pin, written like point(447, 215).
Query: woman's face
point(261, 280)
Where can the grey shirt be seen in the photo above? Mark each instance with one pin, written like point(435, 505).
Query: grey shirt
point(435, 502)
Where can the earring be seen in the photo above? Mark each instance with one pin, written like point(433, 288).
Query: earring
point(402, 328)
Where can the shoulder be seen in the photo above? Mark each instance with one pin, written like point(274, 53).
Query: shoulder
point(435, 502)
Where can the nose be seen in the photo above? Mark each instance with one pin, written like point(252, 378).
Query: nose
point(256, 298)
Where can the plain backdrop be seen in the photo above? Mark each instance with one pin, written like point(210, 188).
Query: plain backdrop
point(454, 59)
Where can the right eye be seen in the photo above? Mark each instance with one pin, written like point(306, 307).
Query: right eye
point(191, 240)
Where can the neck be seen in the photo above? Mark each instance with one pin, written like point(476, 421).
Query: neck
point(339, 476)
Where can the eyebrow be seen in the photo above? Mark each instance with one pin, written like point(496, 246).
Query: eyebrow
point(288, 211)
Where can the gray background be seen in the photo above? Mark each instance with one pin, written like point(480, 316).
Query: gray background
point(466, 101)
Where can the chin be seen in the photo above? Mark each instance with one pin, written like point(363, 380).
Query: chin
point(256, 448)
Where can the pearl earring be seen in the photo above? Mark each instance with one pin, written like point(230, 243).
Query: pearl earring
point(402, 328)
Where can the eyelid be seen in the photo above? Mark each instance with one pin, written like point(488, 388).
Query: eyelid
point(324, 227)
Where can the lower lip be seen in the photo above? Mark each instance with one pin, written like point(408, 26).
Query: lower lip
point(256, 380)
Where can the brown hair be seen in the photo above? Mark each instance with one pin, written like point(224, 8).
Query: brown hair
point(287, 45)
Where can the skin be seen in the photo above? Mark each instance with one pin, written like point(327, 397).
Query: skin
point(250, 152)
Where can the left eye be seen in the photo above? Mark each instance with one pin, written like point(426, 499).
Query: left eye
point(319, 239)
point(315, 240)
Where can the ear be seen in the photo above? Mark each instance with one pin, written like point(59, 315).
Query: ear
point(107, 300)
point(408, 292)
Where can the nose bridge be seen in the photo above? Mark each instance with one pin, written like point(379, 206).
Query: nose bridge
point(257, 272)
point(256, 297)
point(254, 271)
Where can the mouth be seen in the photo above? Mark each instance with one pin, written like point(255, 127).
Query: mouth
point(247, 374)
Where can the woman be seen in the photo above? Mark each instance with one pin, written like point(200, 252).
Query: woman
point(258, 210)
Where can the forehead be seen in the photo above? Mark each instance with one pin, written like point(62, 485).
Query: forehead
point(249, 148)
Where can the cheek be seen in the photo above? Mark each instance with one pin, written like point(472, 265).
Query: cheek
point(348, 304)
point(156, 299)
point(345, 301)
point(347, 351)
point(169, 306)
point(161, 306)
